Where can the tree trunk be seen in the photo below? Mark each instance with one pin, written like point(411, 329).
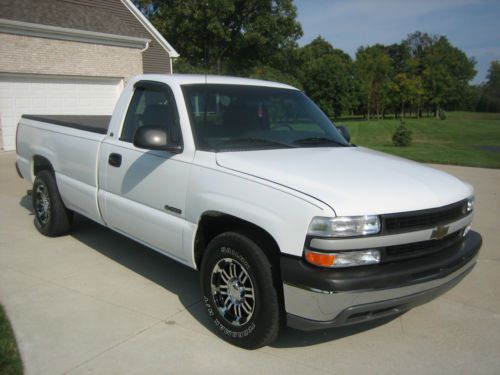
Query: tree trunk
point(219, 65)
point(219, 61)
point(437, 110)
point(368, 107)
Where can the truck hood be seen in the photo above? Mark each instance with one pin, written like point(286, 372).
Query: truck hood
point(351, 180)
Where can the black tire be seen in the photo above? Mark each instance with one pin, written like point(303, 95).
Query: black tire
point(236, 252)
point(52, 218)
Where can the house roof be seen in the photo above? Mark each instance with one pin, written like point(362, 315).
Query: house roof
point(117, 17)
point(154, 32)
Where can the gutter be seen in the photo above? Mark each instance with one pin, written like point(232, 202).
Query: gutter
point(74, 35)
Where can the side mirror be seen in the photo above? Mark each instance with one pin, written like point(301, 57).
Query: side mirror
point(345, 133)
point(153, 138)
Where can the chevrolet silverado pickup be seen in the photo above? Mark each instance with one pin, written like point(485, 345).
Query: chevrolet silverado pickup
point(250, 183)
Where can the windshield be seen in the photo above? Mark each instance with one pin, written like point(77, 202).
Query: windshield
point(239, 117)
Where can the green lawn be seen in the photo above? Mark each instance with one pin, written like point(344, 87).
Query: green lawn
point(10, 361)
point(450, 141)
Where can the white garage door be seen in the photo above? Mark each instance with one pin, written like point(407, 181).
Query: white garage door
point(52, 96)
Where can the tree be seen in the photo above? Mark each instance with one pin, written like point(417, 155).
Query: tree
point(446, 74)
point(493, 78)
point(268, 73)
point(418, 43)
point(407, 87)
point(282, 67)
point(258, 38)
point(490, 92)
point(327, 77)
point(223, 35)
point(472, 97)
point(444, 70)
point(373, 72)
point(399, 54)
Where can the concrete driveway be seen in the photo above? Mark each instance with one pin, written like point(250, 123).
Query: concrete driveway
point(96, 302)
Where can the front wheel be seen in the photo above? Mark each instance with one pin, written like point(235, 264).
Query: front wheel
point(239, 292)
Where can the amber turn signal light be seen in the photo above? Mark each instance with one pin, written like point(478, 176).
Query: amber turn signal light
point(344, 258)
point(320, 259)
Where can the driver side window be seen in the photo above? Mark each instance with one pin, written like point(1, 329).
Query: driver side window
point(152, 106)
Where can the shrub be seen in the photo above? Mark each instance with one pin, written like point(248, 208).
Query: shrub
point(402, 135)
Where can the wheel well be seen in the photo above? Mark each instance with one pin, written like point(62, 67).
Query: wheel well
point(41, 163)
point(213, 223)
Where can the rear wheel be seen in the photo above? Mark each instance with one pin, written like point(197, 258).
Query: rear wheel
point(239, 292)
point(52, 218)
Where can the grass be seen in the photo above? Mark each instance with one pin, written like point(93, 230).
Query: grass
point(450, 141)
point(10, 361)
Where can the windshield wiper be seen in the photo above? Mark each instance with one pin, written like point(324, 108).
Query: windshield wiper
point(254, 141)
point(318, 141)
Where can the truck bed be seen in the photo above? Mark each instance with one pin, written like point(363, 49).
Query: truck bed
point(95, 124)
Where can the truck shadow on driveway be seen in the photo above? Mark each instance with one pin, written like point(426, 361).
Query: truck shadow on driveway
point(182, 280)
point(292, 338)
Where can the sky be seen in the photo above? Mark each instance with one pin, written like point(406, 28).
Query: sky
point(471, 25)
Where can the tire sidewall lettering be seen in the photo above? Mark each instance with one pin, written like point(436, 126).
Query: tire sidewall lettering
point(208, 305)
point(236, 255)
point(223, 328)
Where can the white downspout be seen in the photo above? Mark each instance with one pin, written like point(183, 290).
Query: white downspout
point(145, 48)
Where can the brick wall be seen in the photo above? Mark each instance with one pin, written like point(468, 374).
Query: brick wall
point(24, 54)
point(105, 16)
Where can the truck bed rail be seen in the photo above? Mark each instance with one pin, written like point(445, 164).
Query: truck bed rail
point(95, 124)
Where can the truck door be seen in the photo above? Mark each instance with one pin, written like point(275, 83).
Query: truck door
point(143, 192)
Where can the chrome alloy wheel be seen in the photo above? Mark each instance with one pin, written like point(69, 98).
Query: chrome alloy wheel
point(42, 204)
point(233, 291)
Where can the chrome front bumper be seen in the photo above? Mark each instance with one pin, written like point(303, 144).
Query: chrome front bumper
point(311, 306)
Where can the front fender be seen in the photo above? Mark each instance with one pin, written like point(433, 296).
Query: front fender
point(284, 215)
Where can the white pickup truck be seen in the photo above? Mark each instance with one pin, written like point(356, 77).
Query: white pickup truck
point(250, 183)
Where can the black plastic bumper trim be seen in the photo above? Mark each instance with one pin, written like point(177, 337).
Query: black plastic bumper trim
point(295, 271)
point(376, 310)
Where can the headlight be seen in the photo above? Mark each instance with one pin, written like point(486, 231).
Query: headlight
point(470, 204)
point(344, 226)
point(343, 259)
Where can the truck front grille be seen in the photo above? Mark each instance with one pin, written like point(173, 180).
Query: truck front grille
point(418, 249)
point(417, 220)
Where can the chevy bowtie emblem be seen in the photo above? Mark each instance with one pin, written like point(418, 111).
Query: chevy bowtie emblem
point(439, 232)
